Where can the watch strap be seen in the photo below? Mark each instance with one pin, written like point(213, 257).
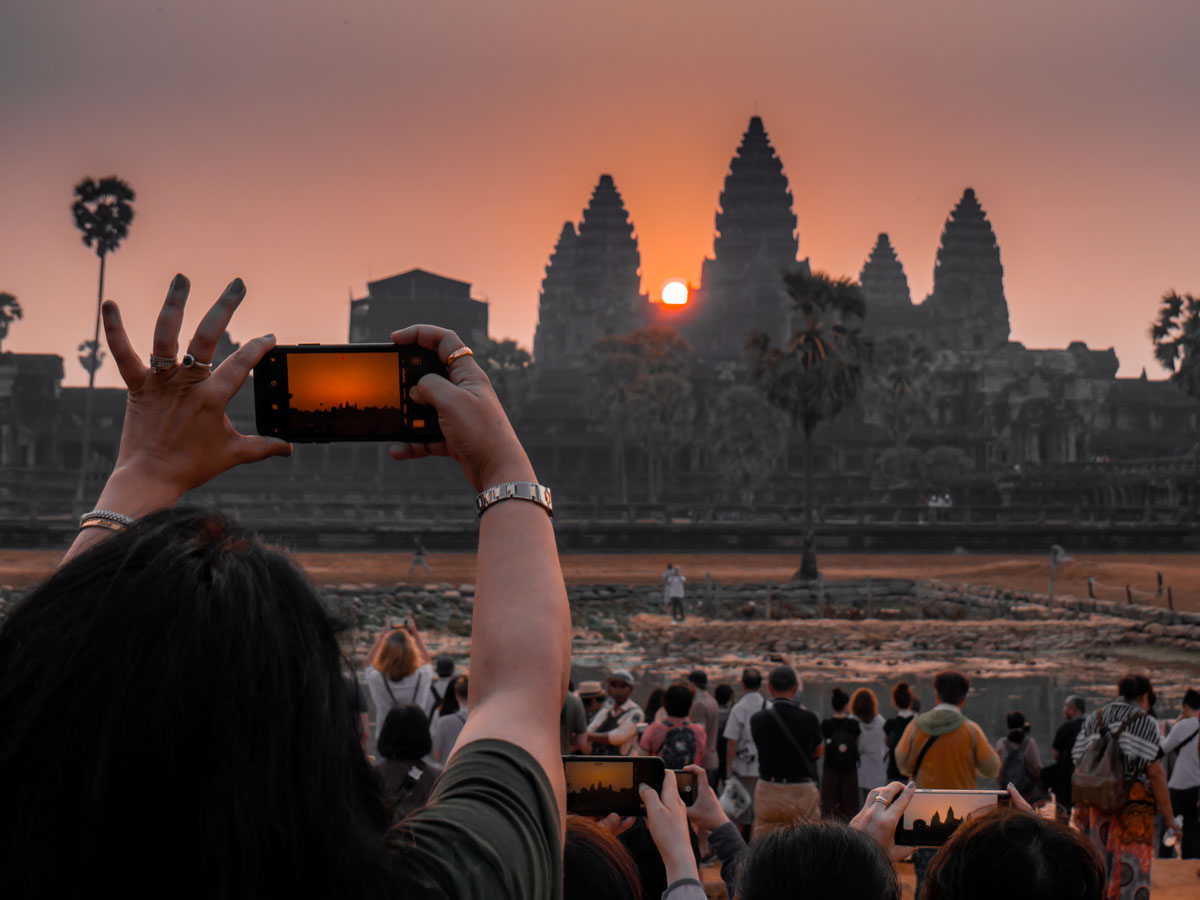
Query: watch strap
point(515, 490)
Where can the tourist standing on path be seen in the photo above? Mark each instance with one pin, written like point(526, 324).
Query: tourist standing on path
point(443, 671)
point(405, 766)
point(839, 776)
point(673, 591)
point(418, 555)
point(1125, 837)
point(788, 738)
point(677, 739)
point(741, 753)
point(944, 749)
point(572, 724)
point(1184, 783)
point(902, 699)
point(1020, 762)
point(1056, 777)
point(613, 730)
point(872, 743)
point(398, 672)
point(449, 727)
point(704, 711)
point(723, 694)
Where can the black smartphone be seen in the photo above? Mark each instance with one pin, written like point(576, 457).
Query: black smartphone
point(599, 785)
point(345, 392)
point(932, 816)
point(686, 783)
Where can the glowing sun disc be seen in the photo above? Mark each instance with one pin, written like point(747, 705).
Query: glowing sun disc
point(675, 293)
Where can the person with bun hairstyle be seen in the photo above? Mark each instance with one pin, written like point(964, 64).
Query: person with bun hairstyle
point(1020, 762)
point(893, 728)
point(839, 774)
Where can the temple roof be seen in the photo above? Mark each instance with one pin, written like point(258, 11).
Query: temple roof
point(883, 280)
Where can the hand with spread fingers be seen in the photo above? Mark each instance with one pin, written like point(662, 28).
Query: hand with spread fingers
point(881, 814)
point(477, 431)
point(176, 435)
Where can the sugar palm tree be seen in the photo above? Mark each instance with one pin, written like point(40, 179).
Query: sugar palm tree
point(817, 373)
point(10, 311)
point(1176, 338)
point(102, 213)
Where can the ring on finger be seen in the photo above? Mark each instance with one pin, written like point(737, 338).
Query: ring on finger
point(879, 799)
point(189, 361)
point(462, 351)
point(163, 363)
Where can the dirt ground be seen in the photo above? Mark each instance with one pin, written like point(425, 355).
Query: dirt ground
point(1111, 572)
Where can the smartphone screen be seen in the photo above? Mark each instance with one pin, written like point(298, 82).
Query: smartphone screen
point(932, 816)
point(599, 785)
point(352, 392)
point(686, 783)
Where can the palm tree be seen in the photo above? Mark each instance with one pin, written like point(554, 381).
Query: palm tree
point(1176, 337)
point(819, 371)
point(102, 212)
point(10, 311)
point(899, 388)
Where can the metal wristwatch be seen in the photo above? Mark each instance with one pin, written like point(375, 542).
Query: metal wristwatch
point(516, 490)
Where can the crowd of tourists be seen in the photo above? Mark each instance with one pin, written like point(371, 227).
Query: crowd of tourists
point(177, 718)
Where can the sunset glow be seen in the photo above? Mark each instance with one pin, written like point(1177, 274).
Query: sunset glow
point(675, 293)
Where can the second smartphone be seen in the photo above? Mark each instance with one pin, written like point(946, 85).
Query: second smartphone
point(599, 785)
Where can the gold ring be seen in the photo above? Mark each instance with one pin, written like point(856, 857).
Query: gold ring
point(462, 351)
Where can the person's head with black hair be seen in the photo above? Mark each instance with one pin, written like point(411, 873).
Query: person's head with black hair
point(200, 672)
point(443, 664)
point(677, 700)
point(1074, 706)
point(654, 702)
point(839, 700)
point(723, 694)
point(1191, 699)
point(783, 683)
point(1017, 726)
point(450, 700)
point(1003, 853)
point(596, 865)
point(902, 696)
point(751, 678)
point(951, 687)
point(1136, 689)
point(699, 678)
point(405, 733)
point(821, 859)
point(461, 689)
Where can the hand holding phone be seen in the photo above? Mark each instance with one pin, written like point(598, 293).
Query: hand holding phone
point(932, 816)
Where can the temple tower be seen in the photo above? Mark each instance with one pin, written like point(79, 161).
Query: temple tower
point(741, 286)
point(885, 286)
point(966, 309)
point(592, 282)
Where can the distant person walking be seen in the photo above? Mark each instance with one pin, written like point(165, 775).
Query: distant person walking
point(741, 754)
point(872, 743)
point(673, 591)
point(418, 555)
point(839, 778)
point(788, 738)
point(902, 699)
point(1184, 783)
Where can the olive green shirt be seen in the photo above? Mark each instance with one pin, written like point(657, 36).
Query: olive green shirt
point(490, 830)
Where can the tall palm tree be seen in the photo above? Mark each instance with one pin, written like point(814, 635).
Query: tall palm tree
point(817, 373)
point(10, 311)
point(102, 213)
point(1176, 338)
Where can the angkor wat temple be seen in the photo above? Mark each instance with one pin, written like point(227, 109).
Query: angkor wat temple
point(1042, 429)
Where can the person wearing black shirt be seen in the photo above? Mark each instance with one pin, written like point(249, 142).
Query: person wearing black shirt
point(893, 728)
point(786, 792)
point(839, 781)
point(1057, 776)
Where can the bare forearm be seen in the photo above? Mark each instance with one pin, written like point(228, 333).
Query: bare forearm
point(131, 493)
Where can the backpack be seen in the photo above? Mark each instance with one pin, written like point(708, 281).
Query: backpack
point(1099, 777)
point(679, 746)
point(1014, 771)
point(841, 750)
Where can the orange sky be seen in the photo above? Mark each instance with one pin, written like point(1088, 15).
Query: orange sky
point(307, 146)
point(326, 380)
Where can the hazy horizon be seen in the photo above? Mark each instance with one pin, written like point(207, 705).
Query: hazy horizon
point(309, 147)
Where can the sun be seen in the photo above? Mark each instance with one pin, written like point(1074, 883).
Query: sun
point(675, 293)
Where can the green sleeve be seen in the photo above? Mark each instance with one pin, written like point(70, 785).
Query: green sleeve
point(490, 830)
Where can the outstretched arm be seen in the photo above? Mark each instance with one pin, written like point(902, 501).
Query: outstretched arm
point(521, 628)
point(176, 435)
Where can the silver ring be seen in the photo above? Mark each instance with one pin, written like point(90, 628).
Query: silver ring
point(163, 363)
point(189, 361)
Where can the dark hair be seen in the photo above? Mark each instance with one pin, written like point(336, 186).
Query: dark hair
point(1004, 853)
point(444, 665)
point(405, 733)
point(450, 704)
point(596, 866)
point(654, 703)
point(821, 859)
point(677, 700)
point(902, 697)
point(462, 686)
point(1076, 701)
point(839, 699)
point(782, 678)
point(1017, 726)
point(699, 678)
point(1133, 686)
point(751, 679)
point(864, 705)
point(722, 693)
point(176, 692)
point(951, 686)
point(1191, 698)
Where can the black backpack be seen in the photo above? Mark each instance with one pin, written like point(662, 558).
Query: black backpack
point(679, 746)
point(841, 750)
point(1014, 771)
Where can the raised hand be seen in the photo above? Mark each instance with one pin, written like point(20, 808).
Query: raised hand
point(881, 813)
point(666, 818)
point(478, 434)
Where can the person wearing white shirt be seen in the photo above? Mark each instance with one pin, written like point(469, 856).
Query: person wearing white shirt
point(741, 758)
point(1184, 783)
